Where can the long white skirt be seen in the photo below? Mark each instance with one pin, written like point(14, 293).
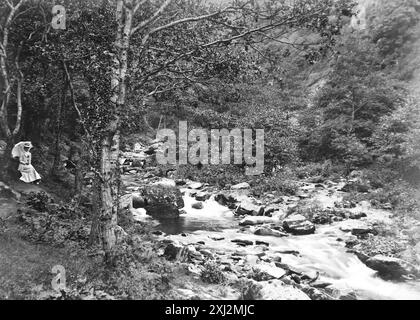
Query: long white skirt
point(29, 173)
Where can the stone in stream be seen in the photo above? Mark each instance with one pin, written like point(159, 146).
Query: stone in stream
point(258, 243)
point(165, 183)
point(279, 215)
point(392, 268)
point(357, 227)
point(252, 260)
point(246, 207)
point(241, 186)
point(202, 196)
point(217, 238)
point(194, 185)
point(180, 182)
point(162, 201)
point(275, 210)
point(270, 270)
point(321, 218)
point(298, 225)
point(357, 215)
point(265, 231)
point(226, 199)
point(207, 253)
point(243, 242)
point(173, 250)
point(255, 220)
point(197, 205)
point(138, 201)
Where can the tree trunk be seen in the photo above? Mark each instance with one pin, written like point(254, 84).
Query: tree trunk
point(58, 128)
point(106, 221)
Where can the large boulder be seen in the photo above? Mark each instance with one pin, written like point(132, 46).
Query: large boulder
point(162, 201)
point(298, 225)
point(138, 201)
point(391, 268)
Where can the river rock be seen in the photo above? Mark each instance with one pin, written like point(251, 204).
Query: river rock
point(246, 207)
point(357, 227)
point(298, 225)
point(265, 231)
point(138, 201)
point(165, 183)
point(255, 220)
point(207, 253)
point(162, 201)
point(279, 215)
point(241, 186)
point(391, 268)
point(321, 217)
point(172, 250)
point(194, 185)
point(252, 259)
point(271, 270)
point(357, 215)
point(202, 196)
point(262, 243)
point(314, 293)
point(228, 199)
point(277, 290)
point(243, 242)
point(197, 205)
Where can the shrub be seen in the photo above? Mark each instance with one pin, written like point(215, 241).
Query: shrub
point(39, 201)
point(212, 273)
point(250, 290)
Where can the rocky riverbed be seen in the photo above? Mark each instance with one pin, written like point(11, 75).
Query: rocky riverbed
point(288, 247)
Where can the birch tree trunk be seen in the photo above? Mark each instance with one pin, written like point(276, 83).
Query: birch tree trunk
point(106, 221)
point(10, 133)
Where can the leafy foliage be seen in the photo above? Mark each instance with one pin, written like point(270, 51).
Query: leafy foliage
point(212, 273)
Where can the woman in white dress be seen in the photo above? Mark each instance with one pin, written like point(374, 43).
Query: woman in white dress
point(21, 151)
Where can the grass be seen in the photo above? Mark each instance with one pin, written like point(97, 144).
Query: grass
point(25, 266)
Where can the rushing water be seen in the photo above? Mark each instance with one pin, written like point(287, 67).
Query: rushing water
point(319, 252)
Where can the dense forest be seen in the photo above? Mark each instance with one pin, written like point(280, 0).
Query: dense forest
point(334, 84)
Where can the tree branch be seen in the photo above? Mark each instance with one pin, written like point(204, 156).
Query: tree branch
point(147, 22)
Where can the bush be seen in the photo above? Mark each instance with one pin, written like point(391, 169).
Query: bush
point(250, 290)
point(280, 182)
point(212, 273)
point(39, 201)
